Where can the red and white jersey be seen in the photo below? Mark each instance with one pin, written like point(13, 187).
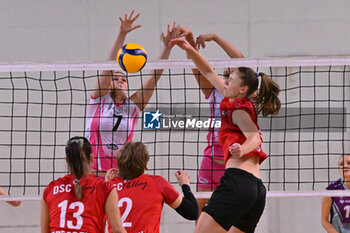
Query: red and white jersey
point(109, 126)
point(67, 213)
point(214, 99)
point(141, 201)
point(230, 133)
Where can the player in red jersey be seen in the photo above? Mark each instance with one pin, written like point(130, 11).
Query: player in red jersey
point(213, 164)
point(79, 201)
point(142, 195)
point(238, 202)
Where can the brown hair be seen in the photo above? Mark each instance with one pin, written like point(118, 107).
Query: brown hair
point(132, 160)
point(78, 152)
point(266, 101)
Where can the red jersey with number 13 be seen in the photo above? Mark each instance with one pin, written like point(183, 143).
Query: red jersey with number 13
point(67, 213)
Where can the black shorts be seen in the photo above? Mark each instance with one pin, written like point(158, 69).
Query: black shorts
point(238, 201)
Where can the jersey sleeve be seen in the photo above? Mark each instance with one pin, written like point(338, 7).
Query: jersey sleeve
point(47, 191)
point(98, 100)
point(337, 185)
point(106, 189)
point(168, 191)
point(241, 104)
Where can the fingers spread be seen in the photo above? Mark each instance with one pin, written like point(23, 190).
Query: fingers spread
point(135, 17)
point(132, 12)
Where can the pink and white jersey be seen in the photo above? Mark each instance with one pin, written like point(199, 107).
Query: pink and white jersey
point(214, 146)
point(109, 126)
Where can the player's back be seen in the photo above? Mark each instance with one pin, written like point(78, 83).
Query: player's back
point(69, 214)
point(141, 201)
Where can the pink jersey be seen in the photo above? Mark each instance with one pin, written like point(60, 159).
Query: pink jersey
point(108, 127)
point(141, 201)
point(214, 147)
point(67, 213)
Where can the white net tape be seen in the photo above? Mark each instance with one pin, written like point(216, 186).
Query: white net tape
point(183, 64)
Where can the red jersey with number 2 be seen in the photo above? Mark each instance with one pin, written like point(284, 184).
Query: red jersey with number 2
point(230, 133)
point(67, 213)
point(141, 201)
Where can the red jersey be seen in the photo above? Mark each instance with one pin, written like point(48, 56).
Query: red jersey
point(141, 201)
point(230, 133)
point(67, 213)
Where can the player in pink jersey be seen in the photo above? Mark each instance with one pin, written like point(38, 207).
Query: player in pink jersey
point(335, 214)
point(79, 201)
point(112, 114)
point(141, 196)
point(238, 202)
point(212, 167)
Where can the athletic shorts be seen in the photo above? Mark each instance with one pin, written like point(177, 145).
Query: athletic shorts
point(238, 201)
point(209, 174)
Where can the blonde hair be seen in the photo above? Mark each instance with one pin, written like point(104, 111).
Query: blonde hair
point(111, 87)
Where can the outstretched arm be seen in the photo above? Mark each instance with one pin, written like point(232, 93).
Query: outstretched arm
point(101, 87)
point(230, 50)
point(142, 96)
point(205, 86)
point(202, 64)
point(187, 205)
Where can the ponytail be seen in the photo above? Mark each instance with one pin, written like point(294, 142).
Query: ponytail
point(267, 101)
point(77, 189)
point(78, 151)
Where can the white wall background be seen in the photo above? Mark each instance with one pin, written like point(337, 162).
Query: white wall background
point(80, 30)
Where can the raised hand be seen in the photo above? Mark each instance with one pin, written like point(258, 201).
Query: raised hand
point(200, 41)
point(169, 35)
point(183, 31)
point(182, 177)
point(126, 24)
point(181, 42)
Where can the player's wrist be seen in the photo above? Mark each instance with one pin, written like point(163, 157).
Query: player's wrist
point(186, 189)
point(215, 37)
point(123, 32)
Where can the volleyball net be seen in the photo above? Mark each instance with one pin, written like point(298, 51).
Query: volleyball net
point(43, 105)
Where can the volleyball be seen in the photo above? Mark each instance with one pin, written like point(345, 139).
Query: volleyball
point(132, 57)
